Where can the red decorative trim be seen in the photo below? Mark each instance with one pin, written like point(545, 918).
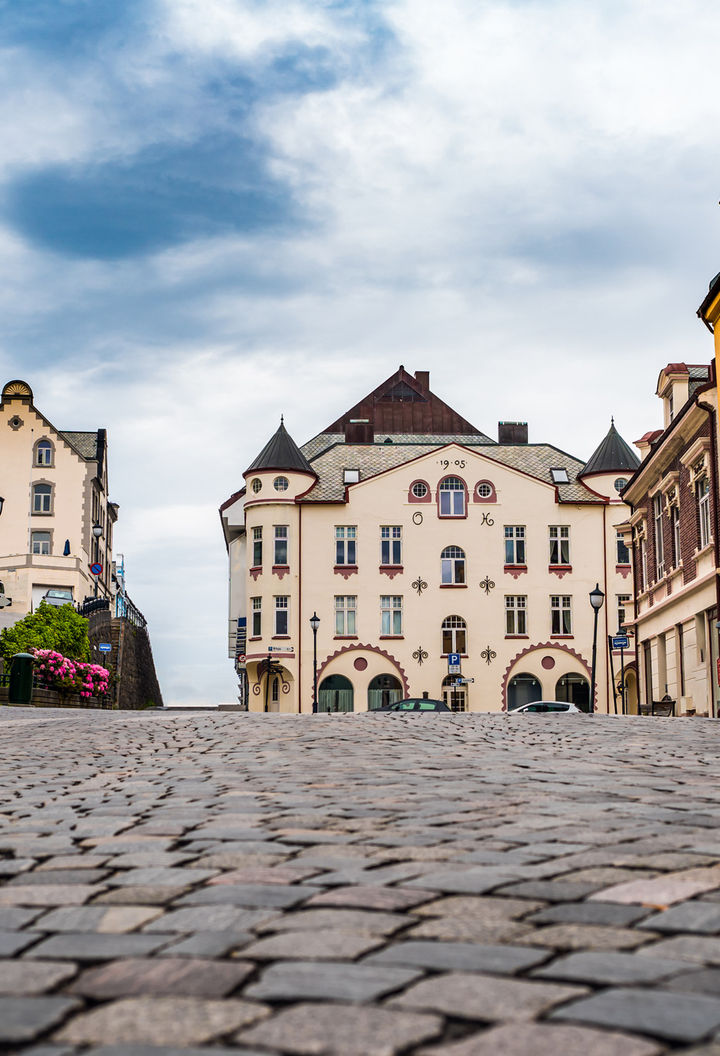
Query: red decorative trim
point(345, 637)
point(345, 570)
point(453, 586)
point(413, 498)
point(514, 636)
point(515, 570)
point(623, 570)
point(256, 638)
point(263, 656)
point(367, 648)
point(391, 570)
point(281, 637)
point(554, 636)
point(535, 649)
point(396, 637)
point(280, 570)
point(560, 570)
point(256, 571)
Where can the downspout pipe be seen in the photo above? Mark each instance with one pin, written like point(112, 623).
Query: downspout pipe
point(716, 519)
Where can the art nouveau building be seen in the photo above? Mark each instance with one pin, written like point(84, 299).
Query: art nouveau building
point(413, 535)
point(54, 490)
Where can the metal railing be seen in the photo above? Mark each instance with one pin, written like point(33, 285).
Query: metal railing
point(125, 608)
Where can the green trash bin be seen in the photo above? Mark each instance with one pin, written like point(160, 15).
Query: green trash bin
point(21, 679)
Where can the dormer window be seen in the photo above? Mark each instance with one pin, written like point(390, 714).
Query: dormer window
point(256, 485)
point(559, 475)
point(351, 476)
point(281, 483)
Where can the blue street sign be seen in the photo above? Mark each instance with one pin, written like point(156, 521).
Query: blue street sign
point(453, 663)
point(620, 641)
point(105, 647)
point(96, 568)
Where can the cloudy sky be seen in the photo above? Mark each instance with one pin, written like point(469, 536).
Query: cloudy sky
point(215, 211)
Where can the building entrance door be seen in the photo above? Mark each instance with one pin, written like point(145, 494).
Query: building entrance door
point(454, 696)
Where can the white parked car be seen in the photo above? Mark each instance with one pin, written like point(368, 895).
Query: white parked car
point(58, 596)
point(547, 707)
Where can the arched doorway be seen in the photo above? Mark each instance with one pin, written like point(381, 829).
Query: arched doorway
point(574, 689)
point(523, 689)
point(454, 696)
point(335, 693)
point(383, 689)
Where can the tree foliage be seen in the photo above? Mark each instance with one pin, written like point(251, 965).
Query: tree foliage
point(49, 627)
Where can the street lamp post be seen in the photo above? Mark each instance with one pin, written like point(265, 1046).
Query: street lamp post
point(596, 600)
point(315, 623)
point(97, 533)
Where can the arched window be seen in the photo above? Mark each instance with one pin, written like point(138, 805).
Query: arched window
point(452, 566)
point(574, 689)
point(275, 689)
point(451, 497)
point(382, 690)
point(44, 453)
point(523, 689)
point(454, 631)
point(335, 693)
point(42, 498)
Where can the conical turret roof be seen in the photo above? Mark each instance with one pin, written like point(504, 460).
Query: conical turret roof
point(612, 456)
point(281, 452)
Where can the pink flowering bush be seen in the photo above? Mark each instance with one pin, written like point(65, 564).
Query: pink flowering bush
point(70, 676)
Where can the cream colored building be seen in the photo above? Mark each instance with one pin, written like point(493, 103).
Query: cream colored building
point(53, 488)
point(673, 532)
point(412, 536)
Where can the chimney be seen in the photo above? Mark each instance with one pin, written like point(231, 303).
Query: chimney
point(422, 377)
point(359, 431)
point(512, 432)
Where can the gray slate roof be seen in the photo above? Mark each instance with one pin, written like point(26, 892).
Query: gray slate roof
point(611, 456)
point(85, 444)
point(281, 452)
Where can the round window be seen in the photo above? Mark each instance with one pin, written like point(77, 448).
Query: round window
point(420, 489)
point(620, 483)
point(281, 483)
point(256, 485)
point(484, 490)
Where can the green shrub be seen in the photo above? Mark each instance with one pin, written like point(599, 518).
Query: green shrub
point(49, 627)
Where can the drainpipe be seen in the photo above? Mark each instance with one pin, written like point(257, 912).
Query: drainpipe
point(714, 495)
point(299, 617)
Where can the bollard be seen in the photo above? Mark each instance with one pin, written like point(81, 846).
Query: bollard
point(21, 679)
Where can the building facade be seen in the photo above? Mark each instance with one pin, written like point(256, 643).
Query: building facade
point(413, 536)
point(54, 492)
point(672, 530)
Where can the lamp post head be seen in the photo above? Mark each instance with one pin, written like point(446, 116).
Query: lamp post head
point(97, 531)
point(597, 598)
point(314, 622)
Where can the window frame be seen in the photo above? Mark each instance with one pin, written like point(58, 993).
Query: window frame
point(559, 540)
point(346, 545)
point(513, 543)
point(391, 615)
point(453, 567)
point(459, 497)
point(256, 609)
point(454, 635)
point(561, 621)
point(346, 616)
point(281, 540)
point(703, 508)
point(658, 535)
point(48, 494)
point(44, 444)
point(516, 615)
point(391, 545)
point(257, 544)
point(675, 535)
point(280, 611)
point(620, 542)
point(48, 541)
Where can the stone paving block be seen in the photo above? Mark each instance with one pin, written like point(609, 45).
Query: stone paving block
point(663, 890)
point(271, 896)
point(12, 919)
point(92, 946)
point(278, 874)
point(484, 997)
point(13, 866)
point(608, 968)
point(371, 897)
point(479, 907)
point(163, 1050)
point(588, 937)
point(206, 944)
point(24, 1018)
point(323, 944)
point(699, 980)
point(365, 922)
point(542, 1039)
point(140, 895)
point(212, 918)
point(160, 876)
point(179, 1021)
point(12, 942)
point(701, 948)
point(702, 918)
point(353, 1030)
point(458, 929)
point(548, 890)
point(49, 1049)
point(61, 876)
point(116, 919)
point(607, 913)
point(47, 894)
point(472, 880)
point(302, 980)
point(179, 977)
point(151, 860)
point(675, 1017)
point(33, 977)
point(459, 956)
point(71, 861)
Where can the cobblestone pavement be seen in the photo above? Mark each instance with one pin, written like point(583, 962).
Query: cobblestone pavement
point(361, 885)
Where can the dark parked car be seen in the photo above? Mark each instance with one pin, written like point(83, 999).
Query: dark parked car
point(416, 704)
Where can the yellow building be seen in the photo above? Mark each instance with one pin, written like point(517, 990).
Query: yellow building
point(413, 536)
point(54, 492)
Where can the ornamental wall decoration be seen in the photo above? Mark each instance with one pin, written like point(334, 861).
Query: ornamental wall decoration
point(488, 655)
point(419, 585)
point(486, 519)
point(487, 584)
point(420, 654)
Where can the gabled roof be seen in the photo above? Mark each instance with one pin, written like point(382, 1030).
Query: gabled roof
point(403, 403)
point(613, 455)
point(281, 452)
point(84, 444)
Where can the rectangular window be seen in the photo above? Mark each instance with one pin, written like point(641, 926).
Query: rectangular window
point(643, 564)
point(675, 528)
point(281, 614)
point(623, 605)
point(280, 553)
point(256, 617)
point(346, 544)
point(516, 614)
point(391, 614)
point(659, 542)
point(561, 614)
point(40, 543)
point(703, 500)
point(623, 554)
point(41, 498)
point(559, 544)
point(514, 544)
point(257, 548)
point(345, 614)
point(391, 545)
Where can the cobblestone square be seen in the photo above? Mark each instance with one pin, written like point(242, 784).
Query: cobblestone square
point(371, 884)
